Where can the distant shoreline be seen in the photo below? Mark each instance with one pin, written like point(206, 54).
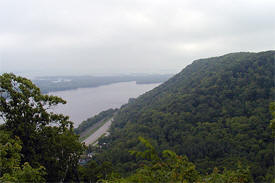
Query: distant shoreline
point(83, 103)
point(48, 84)
point(71, 89)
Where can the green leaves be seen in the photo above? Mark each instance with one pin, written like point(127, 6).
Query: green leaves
point(240, 175)
point(215, 112)
point(9, 152)
point(173, 168)
point(96, 172)
point(47, 138)
point(150, 152)
point(168, 168)
point(10, 157)
point(272, 121)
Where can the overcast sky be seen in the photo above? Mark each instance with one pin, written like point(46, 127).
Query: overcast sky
point(76, 37)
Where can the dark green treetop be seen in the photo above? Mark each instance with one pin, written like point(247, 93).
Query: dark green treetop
point(47, 138)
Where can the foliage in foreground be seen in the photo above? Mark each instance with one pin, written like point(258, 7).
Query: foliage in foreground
point(47, 139)
point(10, 157)
point(272, 121)
point(216, 112)
point(170, 167)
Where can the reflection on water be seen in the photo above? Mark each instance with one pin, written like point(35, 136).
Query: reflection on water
point(85, 102)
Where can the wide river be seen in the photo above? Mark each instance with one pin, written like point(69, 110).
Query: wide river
point(83, 103)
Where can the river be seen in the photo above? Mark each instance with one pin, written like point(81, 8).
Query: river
point(83, 103)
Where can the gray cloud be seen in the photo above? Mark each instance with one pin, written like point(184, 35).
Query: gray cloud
point(124, 36)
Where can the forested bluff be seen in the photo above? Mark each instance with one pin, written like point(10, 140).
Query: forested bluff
point(212, 122)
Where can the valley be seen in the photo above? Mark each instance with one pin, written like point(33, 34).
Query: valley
point(99, 132)
point(213, 119)
point(216, 112)
point(84, 103)
point(159, 91)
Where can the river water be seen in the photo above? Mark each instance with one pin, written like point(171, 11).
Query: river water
point(83, 103)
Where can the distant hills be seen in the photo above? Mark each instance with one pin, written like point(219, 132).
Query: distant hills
point(59, 83)
point(215, 111)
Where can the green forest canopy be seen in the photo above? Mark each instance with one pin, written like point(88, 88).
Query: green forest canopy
point(216, 112)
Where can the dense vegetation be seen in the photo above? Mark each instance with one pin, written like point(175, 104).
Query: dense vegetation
point(272, 121)
point(216, 118)
point(59, 83)
point(170, 167)
point(35, 145)
point(11, 170)
point(216, 112)
point(156, 167)
point(93, 120)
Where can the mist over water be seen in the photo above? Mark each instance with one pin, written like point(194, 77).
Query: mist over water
point(84, 103)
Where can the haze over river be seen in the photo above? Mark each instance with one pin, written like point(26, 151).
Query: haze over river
point(84, 103)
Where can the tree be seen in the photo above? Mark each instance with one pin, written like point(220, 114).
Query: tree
point(10, 169)
point(272, 121)
point(240, 175)
point(47, 138)
point(215, 112)
point(171, 167)
point(94, 171)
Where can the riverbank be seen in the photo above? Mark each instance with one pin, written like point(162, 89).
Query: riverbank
point(86, 102)
point(98, 132)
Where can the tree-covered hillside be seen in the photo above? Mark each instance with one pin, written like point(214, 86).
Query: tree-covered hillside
point(216, 112)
